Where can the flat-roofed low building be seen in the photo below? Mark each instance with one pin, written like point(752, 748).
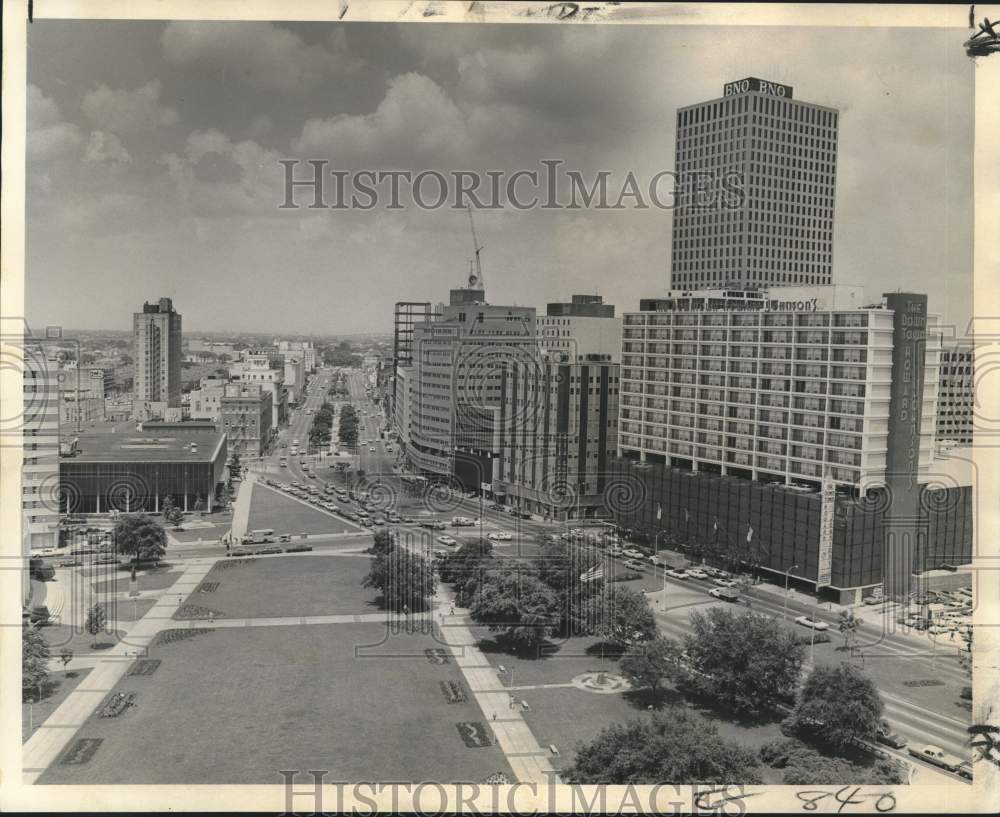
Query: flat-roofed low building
point(134, 470)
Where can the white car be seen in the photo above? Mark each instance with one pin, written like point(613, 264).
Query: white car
point(372, 449)
point(676, 574)
point(694, 572)
point(812, 623)
point(632, 553)
point(500, 536)
point(724, 582)
point(447, 540)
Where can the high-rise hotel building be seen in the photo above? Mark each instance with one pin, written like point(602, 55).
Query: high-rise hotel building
point(766, 165)
point(767, 414)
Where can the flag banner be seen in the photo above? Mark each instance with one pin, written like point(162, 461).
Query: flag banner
point(596, 572)
point(687, 515)
point(750, 533)
point(659, 512)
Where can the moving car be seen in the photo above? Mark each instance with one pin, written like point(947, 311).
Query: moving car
point(285, 537)
point(812, 623)
point(447, 540)
point(724, 582)
point(632, 553)
point(634, 564)
point(462, 522)
point(964, 769)
point(500, 536)
point(724, 593)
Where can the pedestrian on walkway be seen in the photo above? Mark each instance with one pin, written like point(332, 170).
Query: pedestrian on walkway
point(453, 608)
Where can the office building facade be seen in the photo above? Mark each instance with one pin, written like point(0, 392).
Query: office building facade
point(558, 420)
point(156, 335)
point(757, 171)
point(246, 418)
point(956, 395)
point(40, 436)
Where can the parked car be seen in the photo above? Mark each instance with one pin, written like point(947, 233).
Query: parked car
point(697, 573)
point(812, 623)
point(891, 739)
point(724, 582)
point(873, 599)
point(937, 756)
point(462, 522)
point(634, 564)
point(724, 593)
point(500, 536)
point(964, 769)
point(285, 537)
point(447, 540)
point(675, 573)
point(632, 553)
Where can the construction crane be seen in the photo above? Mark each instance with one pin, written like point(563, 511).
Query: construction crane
point(475, 278)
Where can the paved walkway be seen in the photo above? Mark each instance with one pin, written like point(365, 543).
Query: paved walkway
point(529, 761)
point(241, 507)
point(295, 621)
point(61, 726)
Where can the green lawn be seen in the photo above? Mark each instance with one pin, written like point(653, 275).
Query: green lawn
point(237, 705)
point(60, 685)
point(294, 585)
point(564, 716)
point(151, 579)
point(60, 636)
point(270, 508)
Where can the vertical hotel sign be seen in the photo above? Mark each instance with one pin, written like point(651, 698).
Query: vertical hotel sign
point(901, 523)
point(824, 572)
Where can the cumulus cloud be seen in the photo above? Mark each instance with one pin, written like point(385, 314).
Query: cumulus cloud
point(416, 117)
point(216, 176)
point(261, 54)
point(48, 137)
point(106, 148)
point(124, 112)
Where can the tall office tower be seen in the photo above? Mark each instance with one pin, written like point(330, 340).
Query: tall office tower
point(157, 338)
point(767, 167)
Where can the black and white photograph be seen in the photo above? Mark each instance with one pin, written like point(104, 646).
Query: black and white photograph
point(524, 403)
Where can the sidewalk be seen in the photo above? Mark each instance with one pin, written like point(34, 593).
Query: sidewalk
point(529, 761)
point(241, 507)
point(59, 729)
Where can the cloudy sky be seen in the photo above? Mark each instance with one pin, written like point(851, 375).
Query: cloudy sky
point(154, 148)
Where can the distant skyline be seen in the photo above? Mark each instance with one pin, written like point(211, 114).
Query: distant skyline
point(153, 168)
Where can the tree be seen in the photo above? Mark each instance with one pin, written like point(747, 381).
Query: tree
point(137, 535)
point(562, 566)
point(650, 663)
point(747, 662)
point(96, 619)
point(622, 616)
point(836, 706)
point(804, 766)
point(517, 604)
point(676, 747)
point(848, 626)
point(382, 542)
point(234, 465)
point(34, 660)
point(405, 580)
point(171, 513)
point(65, 655)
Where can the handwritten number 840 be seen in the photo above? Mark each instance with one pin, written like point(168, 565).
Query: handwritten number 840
point(846, 796)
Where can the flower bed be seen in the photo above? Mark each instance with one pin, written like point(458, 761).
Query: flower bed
point(117, 704)
point(170, 636)
point(453, 692)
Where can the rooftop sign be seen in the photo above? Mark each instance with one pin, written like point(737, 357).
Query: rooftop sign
point(761, 86)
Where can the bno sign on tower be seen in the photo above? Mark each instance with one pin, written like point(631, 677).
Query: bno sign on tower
point(761, 86)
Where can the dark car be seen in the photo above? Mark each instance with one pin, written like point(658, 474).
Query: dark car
point(890, 739)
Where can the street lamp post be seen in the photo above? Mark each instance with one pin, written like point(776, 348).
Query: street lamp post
point(784, 612)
